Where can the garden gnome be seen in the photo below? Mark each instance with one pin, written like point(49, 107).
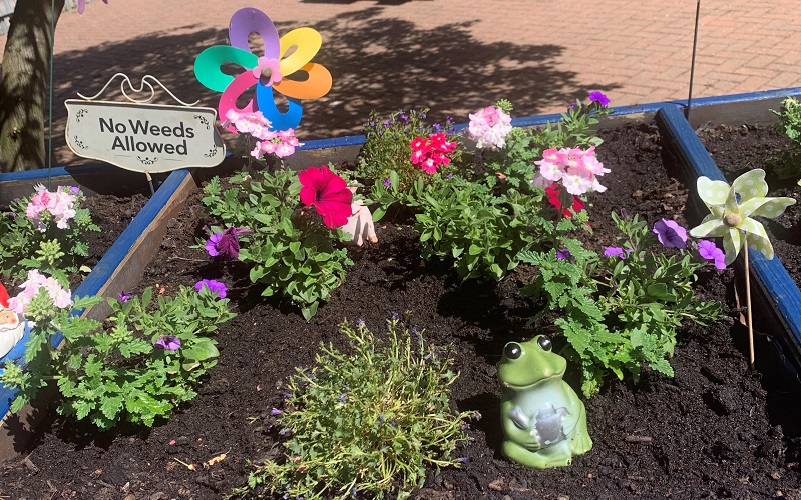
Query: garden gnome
point(360, 224)
point(12, 325)
point(544, 423)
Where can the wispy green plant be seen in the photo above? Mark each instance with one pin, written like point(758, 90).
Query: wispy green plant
point(366, 423)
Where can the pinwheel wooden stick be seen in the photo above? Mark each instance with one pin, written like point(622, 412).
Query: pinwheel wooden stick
point(732, 208)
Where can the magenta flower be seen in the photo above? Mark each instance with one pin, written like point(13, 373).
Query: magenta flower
point(671, 234)
point(328, 193)
point(616, 252)
point(213, 286)
point(226, 244)
point(709, 251)
point(124, 297)
point(564, 254)
point(168, 343)
point(599, 97)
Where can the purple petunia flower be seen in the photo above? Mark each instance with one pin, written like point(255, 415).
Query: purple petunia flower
point(563, 254)
point(671, 234)
point(213, 286)
point(709, 251)
point(599, 97)
point(226, 244)
point(168, 343)
point(616, 252)
point(124, 297)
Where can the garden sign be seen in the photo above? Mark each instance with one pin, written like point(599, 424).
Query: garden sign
point(143, 137)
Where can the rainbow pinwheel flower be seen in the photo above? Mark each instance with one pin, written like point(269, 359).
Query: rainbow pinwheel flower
point(267, 73)
point(732, 210)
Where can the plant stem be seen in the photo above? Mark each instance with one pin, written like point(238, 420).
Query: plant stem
point(748, 303)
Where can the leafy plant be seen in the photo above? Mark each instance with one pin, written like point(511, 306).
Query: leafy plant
point(788, 166)
point(145, 363)
point(621, 311)
point(368, 421)
point(46, 231)
point(290, 249)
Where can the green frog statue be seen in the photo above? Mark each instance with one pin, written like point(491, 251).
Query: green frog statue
point(544, 422)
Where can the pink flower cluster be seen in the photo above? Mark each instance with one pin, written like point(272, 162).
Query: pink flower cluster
point(428, 154)
point(59, 204)
point(61, 296)
point(281, 143)
point(576, 168)
point(489, 127)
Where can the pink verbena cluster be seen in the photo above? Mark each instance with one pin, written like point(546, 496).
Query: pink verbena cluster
point(59, 204)
point(428, 154)
point(489, 127)
point(576, 168)
point(60, 296)
point(281, 143)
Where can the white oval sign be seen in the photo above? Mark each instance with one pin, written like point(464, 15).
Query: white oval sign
point(146, 138)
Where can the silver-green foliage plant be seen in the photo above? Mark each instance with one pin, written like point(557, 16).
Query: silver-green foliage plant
point(290, 251)
point(145, 363)
point(46, 231)
point(788, 166)
point(368, 422)
point(622, 311)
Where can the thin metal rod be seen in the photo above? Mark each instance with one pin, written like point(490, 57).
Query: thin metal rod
point(50, 94)
point(692, 64)
point(748, 303)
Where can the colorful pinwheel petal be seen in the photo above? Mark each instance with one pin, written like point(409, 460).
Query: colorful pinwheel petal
point(267, 73)
point(731, 218)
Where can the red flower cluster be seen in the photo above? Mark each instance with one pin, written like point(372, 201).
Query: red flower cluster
point(553, 193)
point(430, 153)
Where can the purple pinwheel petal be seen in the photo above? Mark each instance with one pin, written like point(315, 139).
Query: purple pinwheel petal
point(671, 234)
point(168, 343)
point(249, 20)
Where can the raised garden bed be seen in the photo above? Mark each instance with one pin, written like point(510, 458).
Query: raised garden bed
point(714, 430)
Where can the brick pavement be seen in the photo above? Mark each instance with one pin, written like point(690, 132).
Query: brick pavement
point(450, 55)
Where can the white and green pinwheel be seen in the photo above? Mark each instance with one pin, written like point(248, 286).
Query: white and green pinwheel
point(732, 208)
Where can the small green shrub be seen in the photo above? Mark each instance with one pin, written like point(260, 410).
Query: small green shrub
point(788, 165)
point(369, 421)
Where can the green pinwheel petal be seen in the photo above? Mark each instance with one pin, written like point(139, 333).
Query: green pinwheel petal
point(209, 62)
point(766, 207)
point(751, 185)
point(732, 244)
point(711, 227)
point(757, 237)
point(731, 202)
point(712, 192)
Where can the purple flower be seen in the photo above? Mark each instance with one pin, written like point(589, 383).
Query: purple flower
point(671, 234)
point(359, 322)
point(709, 251)
point(404, 118)
point(387, 182)
point(563, 254)
point(276, 412)
point(343, 398)
point(462, 460)
point(168, 343)
point(436, 126)
point(599, 97)
point(616, 252)
point(213, 286)
point(226, 244)
point(381, 418)
point(387, 123)
point(124, 297)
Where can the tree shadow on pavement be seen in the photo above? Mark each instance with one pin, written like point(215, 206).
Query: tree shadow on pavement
point(377, 63)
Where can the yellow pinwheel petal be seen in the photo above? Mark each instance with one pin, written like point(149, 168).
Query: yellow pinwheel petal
point(751, 185)
point(306, 41)
point(731, 245)
point(757, 237)
point(765, 207)
point(712, 192)
point(712, 227)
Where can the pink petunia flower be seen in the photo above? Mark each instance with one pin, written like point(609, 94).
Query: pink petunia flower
point(328, 194)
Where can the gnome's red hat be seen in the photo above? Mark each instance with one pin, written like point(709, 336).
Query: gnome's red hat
point(3, 296)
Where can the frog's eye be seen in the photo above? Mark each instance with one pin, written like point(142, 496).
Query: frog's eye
point(544, 343)
point(512, 350)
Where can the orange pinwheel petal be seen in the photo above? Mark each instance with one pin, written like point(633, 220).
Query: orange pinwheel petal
point(317, 85)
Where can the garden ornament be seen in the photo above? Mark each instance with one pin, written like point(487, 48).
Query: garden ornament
point(544, 422)
point(732, 210)
point(360, 224)
point(290, 55)
point(12, 327)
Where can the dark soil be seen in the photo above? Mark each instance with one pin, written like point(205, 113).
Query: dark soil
point(715, 430)
point(738, 149)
